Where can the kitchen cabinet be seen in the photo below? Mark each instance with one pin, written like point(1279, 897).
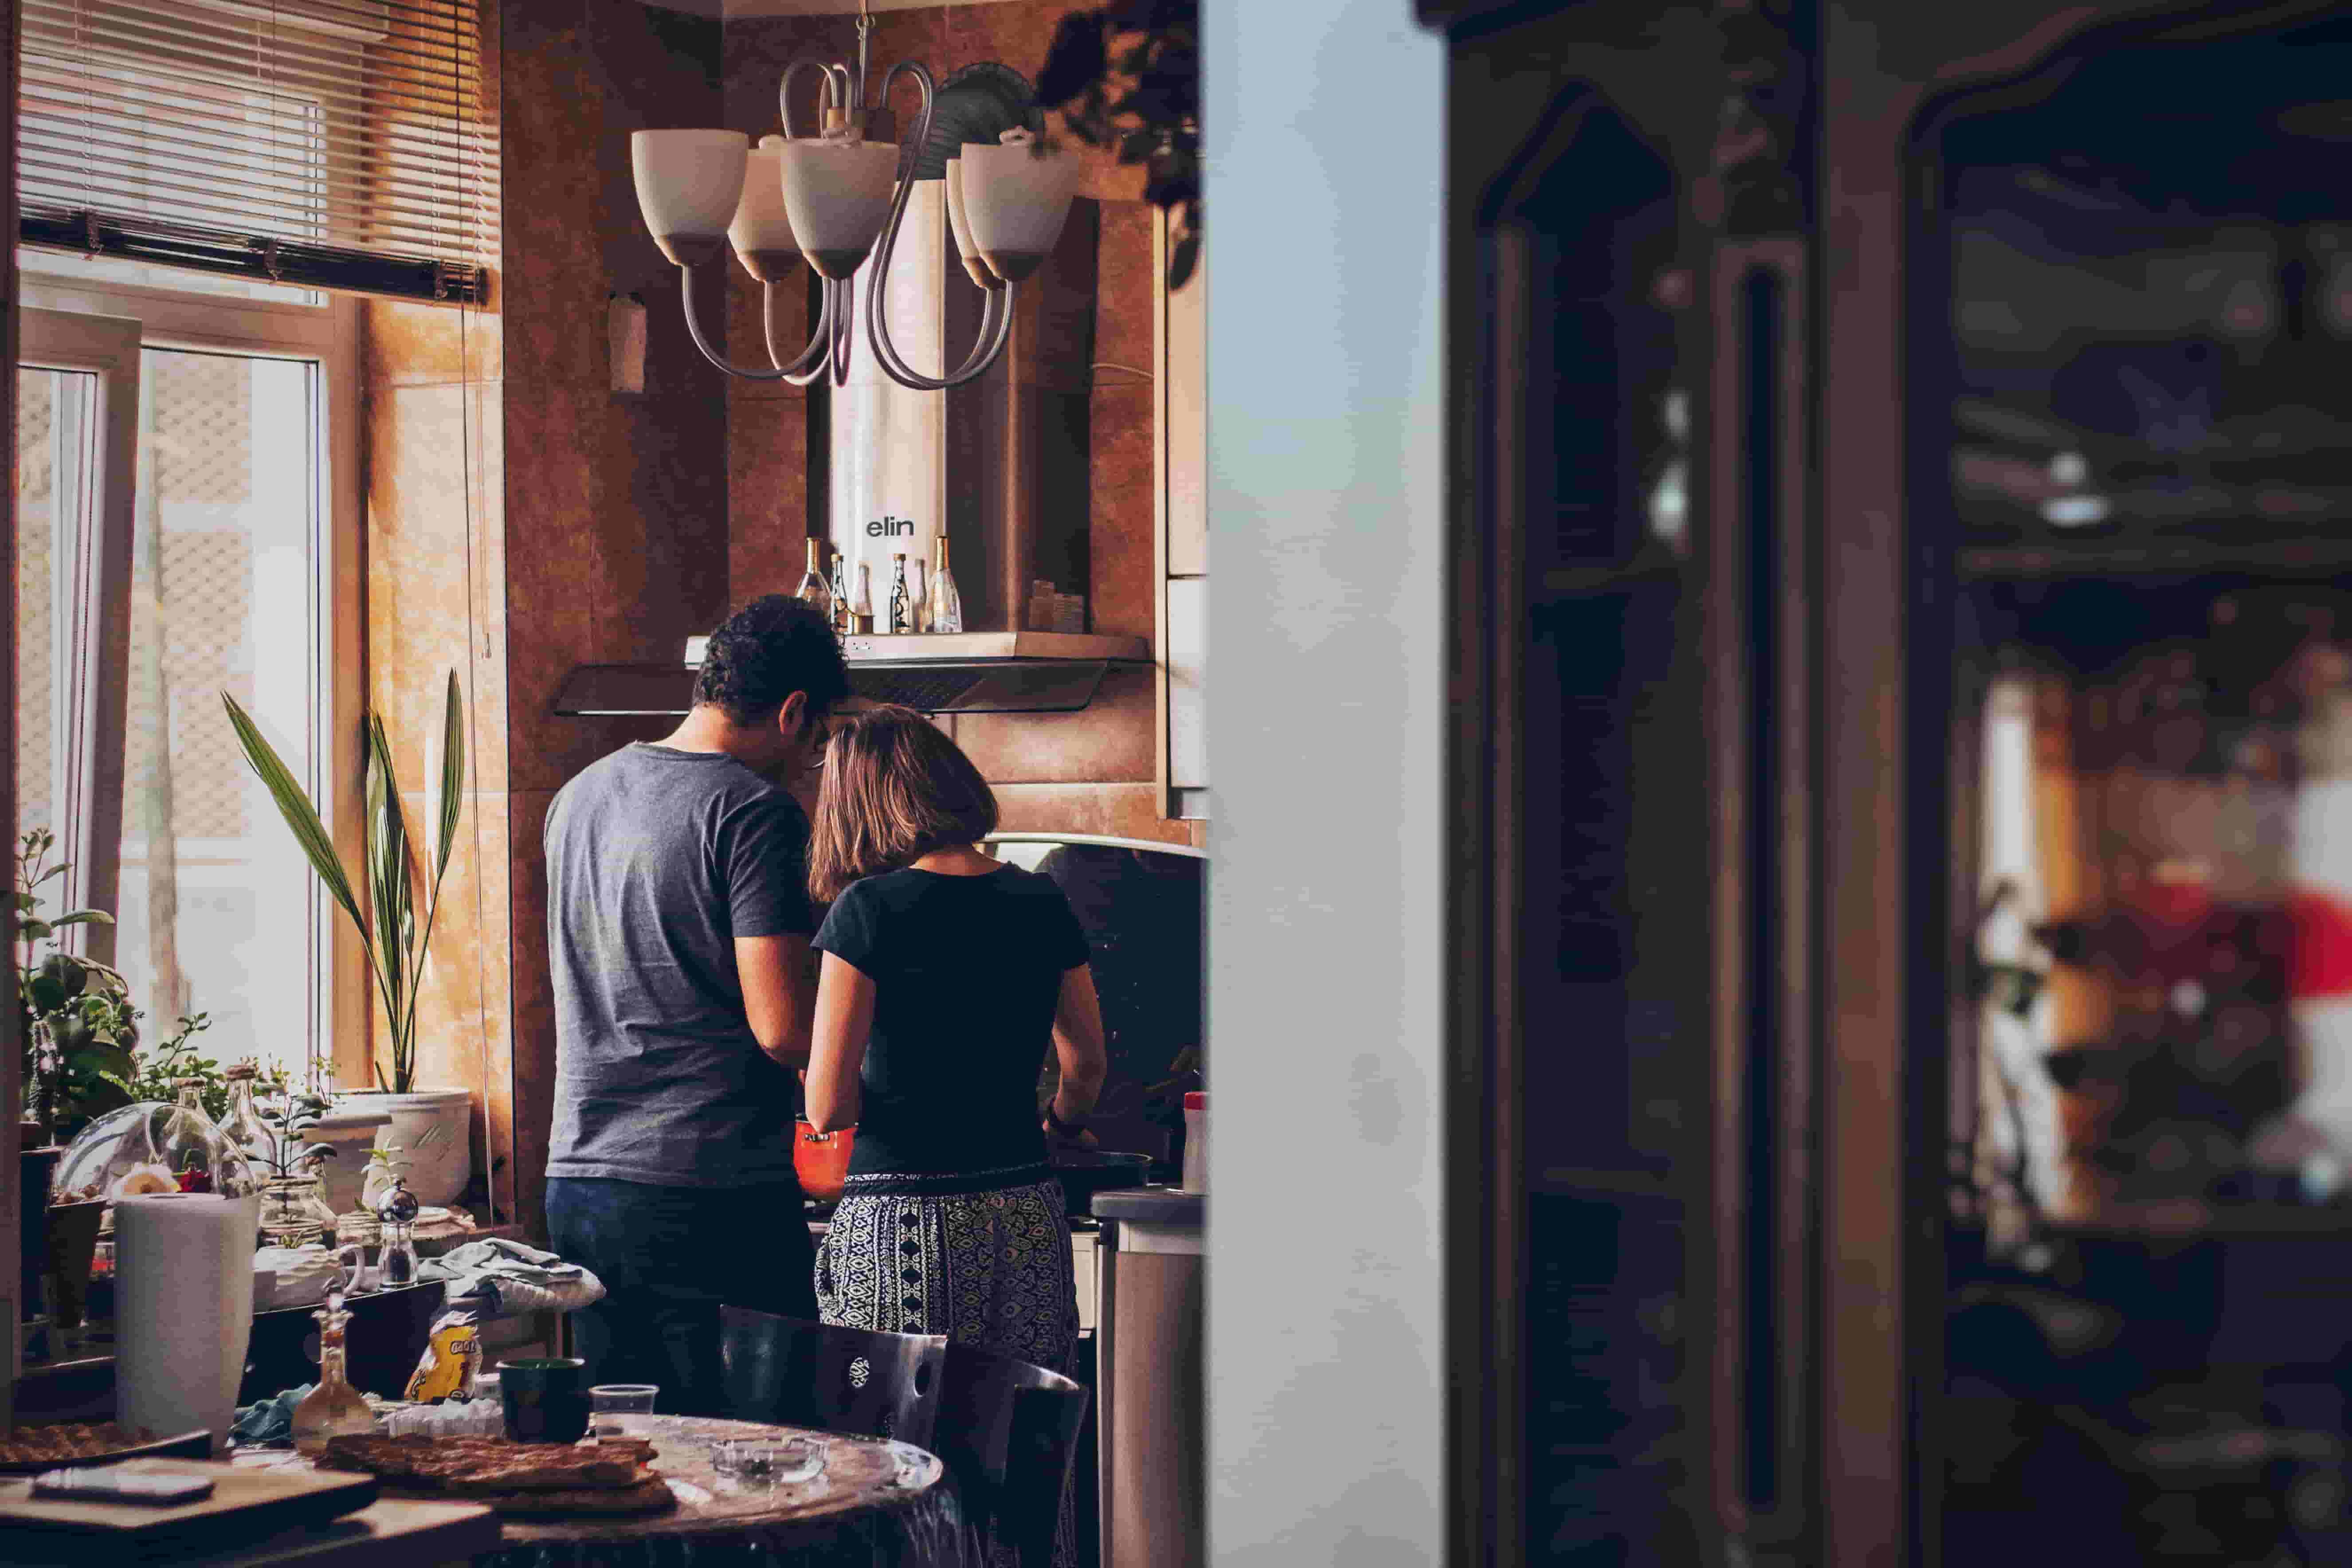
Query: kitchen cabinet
point(1181, 377)
point(1150, 1273)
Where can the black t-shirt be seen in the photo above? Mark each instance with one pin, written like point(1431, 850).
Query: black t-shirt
point(656, 861)
point(967, 975)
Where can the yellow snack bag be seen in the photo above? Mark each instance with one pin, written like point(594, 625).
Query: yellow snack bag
point(453, 1352)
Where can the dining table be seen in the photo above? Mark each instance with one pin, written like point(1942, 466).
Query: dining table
point(876, 1503)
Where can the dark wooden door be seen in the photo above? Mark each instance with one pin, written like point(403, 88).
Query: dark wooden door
point(1703, 768)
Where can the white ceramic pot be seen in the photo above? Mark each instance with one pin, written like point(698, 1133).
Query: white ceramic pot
point(430, 1128)
point(350, 1130)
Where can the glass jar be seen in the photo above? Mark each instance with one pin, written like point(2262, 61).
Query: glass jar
point(287, 1218)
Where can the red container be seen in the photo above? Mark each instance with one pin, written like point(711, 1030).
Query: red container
point(820, 1159)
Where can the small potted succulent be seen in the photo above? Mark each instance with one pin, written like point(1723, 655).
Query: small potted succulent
point(292, 1212)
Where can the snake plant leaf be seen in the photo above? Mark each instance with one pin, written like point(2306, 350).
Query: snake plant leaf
point(84, 917)
point(301, 817)
point(453, 778)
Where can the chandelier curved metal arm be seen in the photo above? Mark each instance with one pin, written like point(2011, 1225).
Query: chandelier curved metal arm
point(807, 367)
point(996, 314)
point(837, 90)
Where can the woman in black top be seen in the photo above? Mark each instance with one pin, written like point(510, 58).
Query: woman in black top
point(945, 976)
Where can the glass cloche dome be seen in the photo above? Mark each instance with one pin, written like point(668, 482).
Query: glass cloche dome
point(152, 1147)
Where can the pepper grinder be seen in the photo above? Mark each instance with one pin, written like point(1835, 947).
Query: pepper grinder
point(397, 1209)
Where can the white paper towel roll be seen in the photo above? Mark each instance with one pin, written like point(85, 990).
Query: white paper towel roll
point(183, 1309)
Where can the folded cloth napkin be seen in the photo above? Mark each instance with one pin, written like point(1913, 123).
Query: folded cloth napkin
point(267, 1421)
point(506, 1278)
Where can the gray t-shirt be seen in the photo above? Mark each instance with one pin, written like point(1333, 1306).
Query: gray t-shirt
point(657, 860)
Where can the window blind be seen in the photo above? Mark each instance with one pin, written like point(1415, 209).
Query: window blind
point(330, 143)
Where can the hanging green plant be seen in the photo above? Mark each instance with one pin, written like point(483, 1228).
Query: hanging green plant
point(79, 1031)
point(1127, 76)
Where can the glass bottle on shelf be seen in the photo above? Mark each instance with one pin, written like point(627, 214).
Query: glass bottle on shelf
point(944, 608)
point(334, 1408)
point(199, 1156)
point(919, 596)
point(861, 608)
point(901, 609)
point(814, 591)
point(840, 602)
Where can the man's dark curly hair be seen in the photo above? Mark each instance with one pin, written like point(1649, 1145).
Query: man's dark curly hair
point(768, 649)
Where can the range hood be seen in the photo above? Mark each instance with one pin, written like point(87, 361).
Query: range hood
point(967, 672)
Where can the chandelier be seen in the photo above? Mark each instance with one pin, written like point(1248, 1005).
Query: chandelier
point(834, 199)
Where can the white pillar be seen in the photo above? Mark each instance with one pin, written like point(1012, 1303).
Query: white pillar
point(1325, 123)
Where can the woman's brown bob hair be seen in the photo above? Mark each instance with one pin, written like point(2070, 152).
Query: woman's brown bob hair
point(895, 789)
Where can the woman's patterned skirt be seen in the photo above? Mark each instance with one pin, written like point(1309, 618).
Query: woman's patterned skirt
point(991, 1270)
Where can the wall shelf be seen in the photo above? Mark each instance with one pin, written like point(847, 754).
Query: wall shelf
point(971, 672)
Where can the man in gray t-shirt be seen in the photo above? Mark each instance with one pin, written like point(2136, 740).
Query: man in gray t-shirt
point(678, 924)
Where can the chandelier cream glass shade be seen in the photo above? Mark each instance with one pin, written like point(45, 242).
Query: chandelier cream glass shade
point(837, 192)
point(762, 233)
point(688, 183)
point(1015, 197)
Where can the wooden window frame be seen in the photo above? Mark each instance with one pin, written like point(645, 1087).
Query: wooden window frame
point(325, 334)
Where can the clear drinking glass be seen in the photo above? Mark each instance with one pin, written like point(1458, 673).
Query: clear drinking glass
point(621, 1409)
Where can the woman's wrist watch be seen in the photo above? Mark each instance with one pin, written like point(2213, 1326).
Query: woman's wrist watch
point(1063, 1128)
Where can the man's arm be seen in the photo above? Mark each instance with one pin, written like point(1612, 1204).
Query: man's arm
point(779, 993)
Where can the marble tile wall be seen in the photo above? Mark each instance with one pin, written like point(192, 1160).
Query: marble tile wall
point(434, 442)
point(617, 518)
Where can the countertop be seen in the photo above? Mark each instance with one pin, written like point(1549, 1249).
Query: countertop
point(1152, 1206)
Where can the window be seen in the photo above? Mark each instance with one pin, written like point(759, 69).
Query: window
point(180, 528)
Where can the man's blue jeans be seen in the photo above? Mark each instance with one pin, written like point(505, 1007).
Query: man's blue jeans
point(669, 1258)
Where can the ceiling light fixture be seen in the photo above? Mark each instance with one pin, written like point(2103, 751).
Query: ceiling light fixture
point(835, 199)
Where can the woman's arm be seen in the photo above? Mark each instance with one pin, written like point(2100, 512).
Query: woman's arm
point(845, 1011)
point(1077, 1047)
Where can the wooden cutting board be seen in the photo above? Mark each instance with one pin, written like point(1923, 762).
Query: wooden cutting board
point(246, 1503)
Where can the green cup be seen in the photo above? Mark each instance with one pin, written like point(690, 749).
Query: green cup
point(546, 1399)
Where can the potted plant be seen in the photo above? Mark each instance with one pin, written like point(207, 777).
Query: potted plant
point(292, 1213)
point(430, 1122)
point(1127, 75)
point(79, 1031)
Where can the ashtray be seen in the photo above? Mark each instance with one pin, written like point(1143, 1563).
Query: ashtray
point(768, 1461)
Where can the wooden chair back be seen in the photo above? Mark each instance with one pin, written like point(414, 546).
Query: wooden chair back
point(1008, 1434)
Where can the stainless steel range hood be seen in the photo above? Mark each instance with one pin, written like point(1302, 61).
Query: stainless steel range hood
point(969, 672)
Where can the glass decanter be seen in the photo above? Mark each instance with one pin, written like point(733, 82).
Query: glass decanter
point(943, 607)
point(200, 1158)
point(334, 1408)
